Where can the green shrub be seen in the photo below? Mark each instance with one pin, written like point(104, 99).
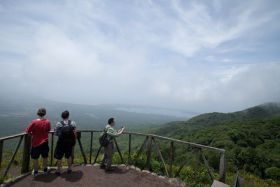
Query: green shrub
point(273, 173)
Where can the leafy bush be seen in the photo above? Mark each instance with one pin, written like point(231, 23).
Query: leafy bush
point(273, 173)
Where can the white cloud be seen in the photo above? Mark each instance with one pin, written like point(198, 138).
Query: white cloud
point(148, 53)
point(196, 28)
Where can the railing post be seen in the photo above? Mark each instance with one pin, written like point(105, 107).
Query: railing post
point(119, 151)
point(149, 153)
point(1, 152)
point(52, 148)
point(222, 169)
point(171, 157)
point(90, 151)
point(13, 157)
point(97, 154)
point(140, 150)
point(160, 156)
point(81, 147)
point(207, 165)
point(26, 154)
point(129, 149)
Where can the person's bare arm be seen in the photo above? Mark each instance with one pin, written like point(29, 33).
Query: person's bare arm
point(28, 130)
point(120, 131)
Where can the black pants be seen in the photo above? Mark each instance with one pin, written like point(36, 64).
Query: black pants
point(63, 149)
point(42, 150)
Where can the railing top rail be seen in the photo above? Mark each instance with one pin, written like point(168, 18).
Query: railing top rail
point(137, 134)
point(176, 140)
point(12, 136)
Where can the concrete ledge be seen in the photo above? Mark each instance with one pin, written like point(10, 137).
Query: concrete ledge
point(13, 180)
point(219, 184)
point(173, 181)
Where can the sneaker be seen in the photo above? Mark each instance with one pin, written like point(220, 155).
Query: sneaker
point(57, 173)
point(109, 169)
point(35, 173)
point(69, 171)
point(45, 170)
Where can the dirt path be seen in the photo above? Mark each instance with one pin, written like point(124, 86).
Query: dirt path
point(93, 176)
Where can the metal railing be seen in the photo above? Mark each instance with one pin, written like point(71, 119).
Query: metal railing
point(150, 139)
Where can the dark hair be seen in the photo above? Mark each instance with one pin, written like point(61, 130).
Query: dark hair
point(65, 114)
point(111, 120)
point(41, 112)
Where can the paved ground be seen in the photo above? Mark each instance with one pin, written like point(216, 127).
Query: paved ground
point(93, 176)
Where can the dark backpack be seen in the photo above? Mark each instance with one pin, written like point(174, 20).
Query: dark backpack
point(67, 135)
point(104, 140)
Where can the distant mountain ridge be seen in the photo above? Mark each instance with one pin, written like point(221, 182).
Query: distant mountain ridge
point(257, 113)
point(266, 110)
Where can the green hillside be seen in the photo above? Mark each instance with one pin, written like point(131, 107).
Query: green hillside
point(251, 138)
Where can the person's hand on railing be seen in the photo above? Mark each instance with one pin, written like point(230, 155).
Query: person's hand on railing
point(120, 131)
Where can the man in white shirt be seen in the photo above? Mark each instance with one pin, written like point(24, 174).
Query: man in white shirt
point(109, 149)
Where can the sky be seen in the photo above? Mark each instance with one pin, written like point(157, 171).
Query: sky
point(200, 56)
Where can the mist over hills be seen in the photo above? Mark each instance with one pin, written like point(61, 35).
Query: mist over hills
point(17, 111)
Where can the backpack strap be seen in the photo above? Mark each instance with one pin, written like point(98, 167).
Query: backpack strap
point(63, 124)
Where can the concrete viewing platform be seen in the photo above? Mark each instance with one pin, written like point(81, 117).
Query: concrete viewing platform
point(122, 176)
